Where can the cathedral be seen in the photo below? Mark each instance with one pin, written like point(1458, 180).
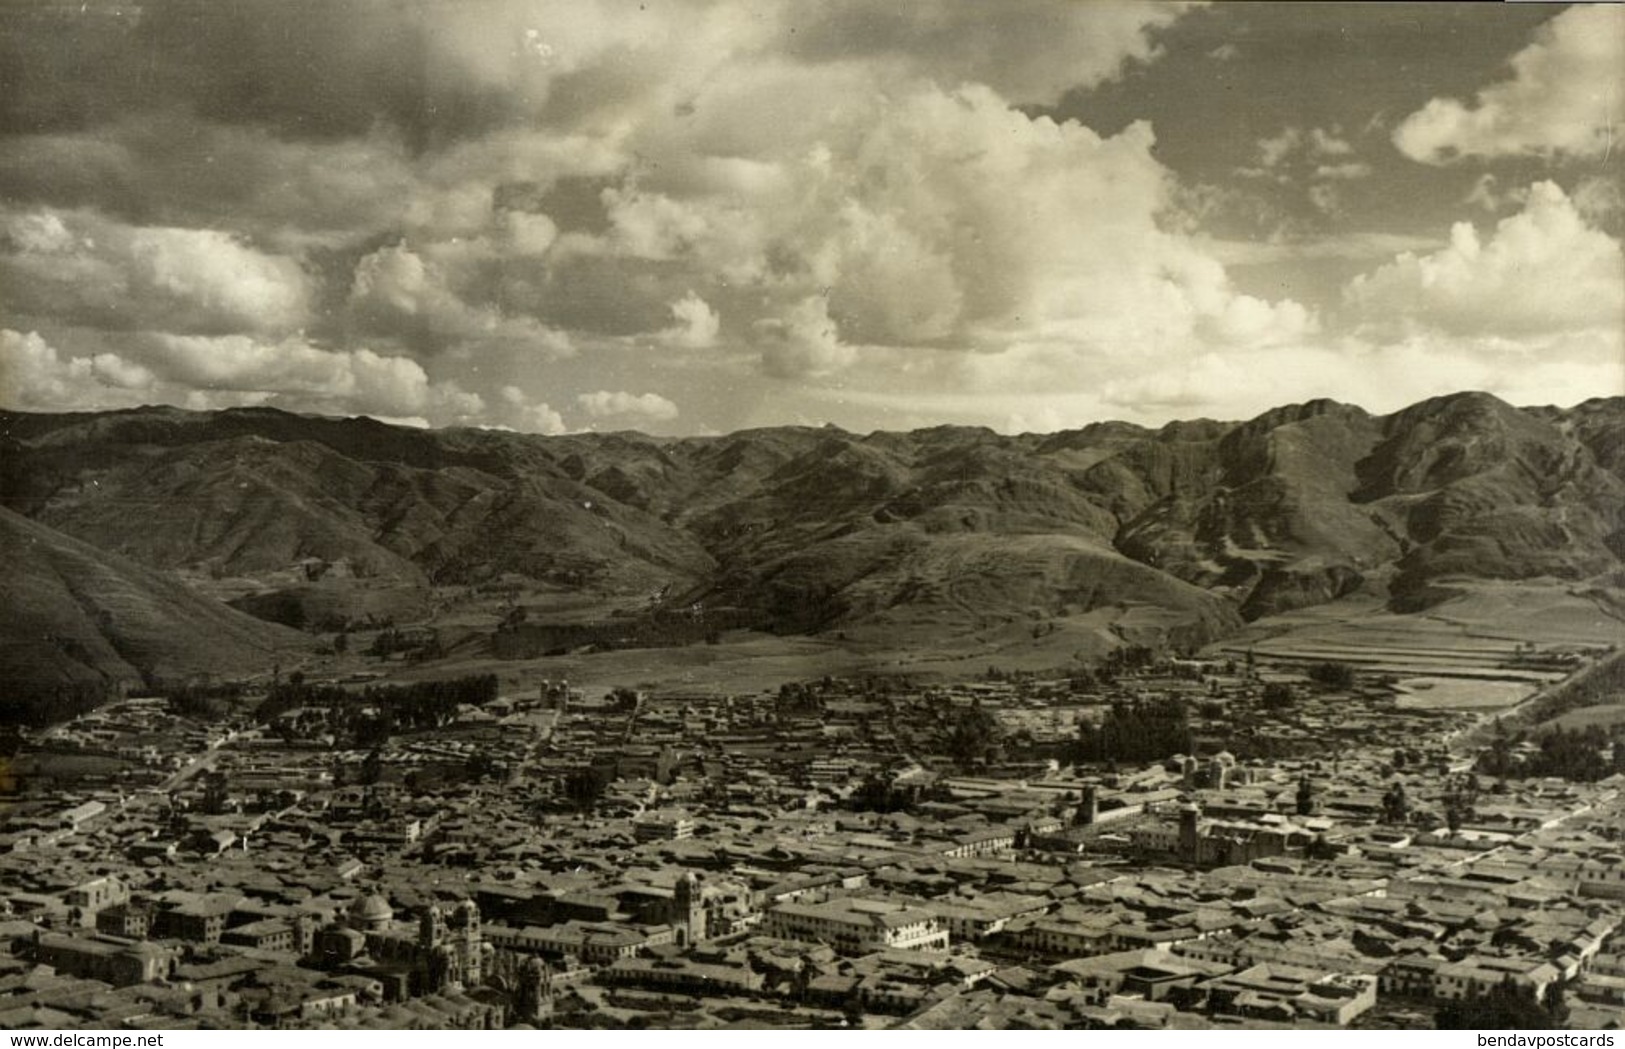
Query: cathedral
point(441, 951)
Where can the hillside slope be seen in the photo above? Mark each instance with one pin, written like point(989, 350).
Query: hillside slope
point(79, 616)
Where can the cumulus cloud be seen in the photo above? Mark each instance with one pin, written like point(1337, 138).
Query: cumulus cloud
point(890, 222)
point(697, 324)
point(394, 284)
point(1380, 376)
point(219, 371)
point(803, 342)
point(449, 72)
point(1564, 98)
point(1542, 270)
point(1239, 383)
point(532, 195)
point(34, 376)
point(606, 403)
point(397, 291)
point(80, 267)
point(291, 195)
point(205, 372)
point(516, 411)
point(363, 379)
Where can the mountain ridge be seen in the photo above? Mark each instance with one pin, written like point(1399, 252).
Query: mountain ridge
point(794, 529)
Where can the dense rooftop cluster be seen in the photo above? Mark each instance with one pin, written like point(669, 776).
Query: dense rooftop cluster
point(999, 853)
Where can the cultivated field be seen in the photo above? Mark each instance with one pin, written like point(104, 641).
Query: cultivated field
point(1488, 635)
point(1439, 693)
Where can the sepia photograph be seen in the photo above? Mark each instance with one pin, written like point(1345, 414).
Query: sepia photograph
point(822, 516)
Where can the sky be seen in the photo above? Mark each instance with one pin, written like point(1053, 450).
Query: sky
point(692, 218)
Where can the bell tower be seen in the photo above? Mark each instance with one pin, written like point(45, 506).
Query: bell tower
point(690, 907)
point(469, 940)
point(431, 927)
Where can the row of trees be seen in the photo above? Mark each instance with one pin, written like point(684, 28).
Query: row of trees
point(385, 643)
point(409, 707)
point(1333, 677)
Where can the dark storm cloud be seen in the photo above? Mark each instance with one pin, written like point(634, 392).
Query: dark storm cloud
point(67, 67)
point(302, 68)
point(1029, 50)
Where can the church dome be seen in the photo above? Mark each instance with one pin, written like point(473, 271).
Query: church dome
point(370, 911)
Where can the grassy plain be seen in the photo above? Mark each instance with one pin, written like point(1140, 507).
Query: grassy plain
point(1462, 654)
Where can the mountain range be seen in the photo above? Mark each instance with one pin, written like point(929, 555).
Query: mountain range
point(1180, 533)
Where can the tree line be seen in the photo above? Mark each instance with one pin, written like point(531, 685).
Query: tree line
point(1577, 755)
point(41, 707)
point(396, 708)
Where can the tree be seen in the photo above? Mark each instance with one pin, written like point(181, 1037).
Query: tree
point(1553, 1001)
point(1506, 1006)
point(1575, 755)
point(973, 733)
point(371, 732)
point(480, 765)
point(877, 793)
point(1137, 730)
point(1277, 695)
point(1129, 657)
point(1332, 676)
point(1306, 796)
point(1456, 811)
point(1395, 806)
point(584, 787)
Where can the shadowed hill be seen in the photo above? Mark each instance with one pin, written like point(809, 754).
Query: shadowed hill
point(83, 617)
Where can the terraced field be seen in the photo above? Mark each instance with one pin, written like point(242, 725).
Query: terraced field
point(1492, 633)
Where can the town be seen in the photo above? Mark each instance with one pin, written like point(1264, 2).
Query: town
point(1155, 842)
